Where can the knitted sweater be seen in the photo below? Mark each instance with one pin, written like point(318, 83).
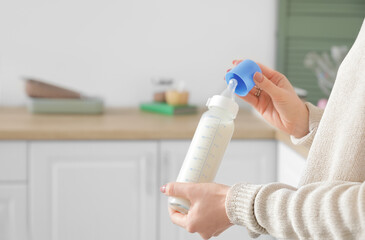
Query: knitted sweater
point(330, 201)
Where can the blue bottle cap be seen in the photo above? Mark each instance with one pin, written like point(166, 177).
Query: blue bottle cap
point(243, 73)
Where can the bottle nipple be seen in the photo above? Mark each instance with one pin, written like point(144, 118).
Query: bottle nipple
point(230, 90)
point(226, 99)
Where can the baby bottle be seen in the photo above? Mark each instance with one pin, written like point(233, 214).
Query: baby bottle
point(214, 132)
point(210, 140)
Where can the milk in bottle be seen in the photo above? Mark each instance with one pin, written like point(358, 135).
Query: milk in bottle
point(209, 143)
point(214, 131)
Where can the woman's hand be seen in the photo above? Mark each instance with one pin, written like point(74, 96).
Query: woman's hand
point(207, 215)
point(278, 103)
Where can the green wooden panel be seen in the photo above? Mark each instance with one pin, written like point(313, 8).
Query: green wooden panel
point(309, 44)
point(282, 34)
point(339, 9)
point(328, 1)
point(296, 72)
point(323, 27)
point(314, 25)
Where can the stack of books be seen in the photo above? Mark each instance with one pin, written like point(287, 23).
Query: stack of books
point(48, 98)
point(164, 108)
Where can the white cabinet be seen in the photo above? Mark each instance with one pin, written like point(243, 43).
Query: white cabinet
point(93, 190)
point(13, 161)
point(290, 165)
point(251, 161)
point(13, 190)
point(13, 217)
point(172, 156)
point(74, 190)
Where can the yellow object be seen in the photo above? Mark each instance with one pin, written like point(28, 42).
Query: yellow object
point(174, 97)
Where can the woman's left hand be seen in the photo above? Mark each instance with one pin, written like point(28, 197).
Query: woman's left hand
point(207, 215)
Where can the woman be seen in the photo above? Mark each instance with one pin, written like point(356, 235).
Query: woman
point(330, 201)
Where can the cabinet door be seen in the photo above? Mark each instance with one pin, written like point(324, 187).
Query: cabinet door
point(290, 165)
point(13, 225)
point(245, 161)
point(13, 190)
point(93, 190)
point(13, 161)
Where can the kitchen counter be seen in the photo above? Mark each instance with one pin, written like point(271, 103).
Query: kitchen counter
point(124, 124)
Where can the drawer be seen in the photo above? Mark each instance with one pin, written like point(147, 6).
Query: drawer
point(13, 161)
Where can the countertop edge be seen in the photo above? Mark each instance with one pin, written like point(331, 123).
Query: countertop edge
point(17, 124)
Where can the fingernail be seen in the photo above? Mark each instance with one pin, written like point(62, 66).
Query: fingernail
point(258, 77)
point(163, 188)
point(229, 69)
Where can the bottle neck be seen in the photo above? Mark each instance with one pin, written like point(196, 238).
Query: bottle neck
point(224, 104)
point(221, 112)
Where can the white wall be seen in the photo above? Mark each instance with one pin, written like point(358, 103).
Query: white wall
point(111, 48)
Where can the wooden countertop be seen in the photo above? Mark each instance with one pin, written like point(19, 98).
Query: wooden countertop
point(121, 124)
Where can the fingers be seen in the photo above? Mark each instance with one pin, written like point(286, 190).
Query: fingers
point(268, 86)
point(178, 218)
point(265, 70)
point(236, 62)
point(205, 236)
point(273, 75)
point(268, 72)
point(178, 189)
point(216, 234)
point(251, 98)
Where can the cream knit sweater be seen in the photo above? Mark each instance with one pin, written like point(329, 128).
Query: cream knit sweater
point(330, 201)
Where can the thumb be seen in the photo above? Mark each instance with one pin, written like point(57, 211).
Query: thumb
point(177, 189)
point(265, 84)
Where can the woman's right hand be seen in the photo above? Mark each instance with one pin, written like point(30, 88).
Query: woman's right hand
point(278, 103)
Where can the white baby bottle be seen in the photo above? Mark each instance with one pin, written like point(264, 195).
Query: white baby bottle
point(214, 131)
point(209, 143)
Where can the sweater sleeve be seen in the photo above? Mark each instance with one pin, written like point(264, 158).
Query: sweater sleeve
point(322, 210)
point(315, 115)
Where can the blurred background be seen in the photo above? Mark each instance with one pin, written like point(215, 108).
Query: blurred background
point(112, 49)
point(75, 168)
